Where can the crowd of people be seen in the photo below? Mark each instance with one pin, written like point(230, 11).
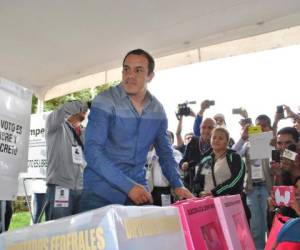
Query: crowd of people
point(127, 156)
point(210, 170)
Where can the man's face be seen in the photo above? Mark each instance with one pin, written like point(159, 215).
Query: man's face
point(76, 119)
point(187, 139)
point(297, 125)
point(219, 121)
point(135, 75)
point(264, 125)
point(206, 128)
point(283, 141)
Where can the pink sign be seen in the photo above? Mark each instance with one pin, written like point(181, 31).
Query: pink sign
point(283, 195)
point(234, 223)
point(201, 225)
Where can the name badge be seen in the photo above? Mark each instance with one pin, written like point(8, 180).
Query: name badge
point(257, 171)
point(165, 199)
point(61, 197)
point(77, 155)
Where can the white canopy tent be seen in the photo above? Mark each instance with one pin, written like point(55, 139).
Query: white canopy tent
point(58, 47)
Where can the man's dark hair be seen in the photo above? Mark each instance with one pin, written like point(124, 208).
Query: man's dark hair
point(289, 131)
point(264, 118)
point(141, 52)
point(171, 134)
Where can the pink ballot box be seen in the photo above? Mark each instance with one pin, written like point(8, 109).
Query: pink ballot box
point(283, 195)
point(201, 226)
point(234, 223)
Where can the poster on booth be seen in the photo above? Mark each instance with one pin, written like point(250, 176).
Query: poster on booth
point(201, 224)
point(37, 158)
point(234, 222)
point(15, 102)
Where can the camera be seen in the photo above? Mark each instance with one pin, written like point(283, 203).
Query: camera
point(183, 109)
point(247, 121)
point(276, 155)
point(237, 111)
point(289, 153)
point(280, 111)
point(211, 102)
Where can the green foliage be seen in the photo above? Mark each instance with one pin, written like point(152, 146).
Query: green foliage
point(34, 104)
point(105, 86)
point(19, 220)
point(20, 204)
point(83, 95)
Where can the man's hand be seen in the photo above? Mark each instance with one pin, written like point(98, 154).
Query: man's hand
point(287, 164)
point(205, 194)
point(244, 133)
point(139, 195)
point(185, 166)
point(244, 113)
point(275, 167)
point(183, 193)
point(192, 113)
point(296, 206)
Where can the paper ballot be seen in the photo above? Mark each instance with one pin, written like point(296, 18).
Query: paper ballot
point(260, 147)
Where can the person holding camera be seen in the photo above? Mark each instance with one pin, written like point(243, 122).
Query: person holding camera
point(280, 114)
point(195, 151)
point(64, 142)
point(286, 169)
point(182, 142)
point(199, 117)
point(219, 118)
point(258, 182)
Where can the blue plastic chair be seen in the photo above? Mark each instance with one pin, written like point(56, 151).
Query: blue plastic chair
point(290, 231)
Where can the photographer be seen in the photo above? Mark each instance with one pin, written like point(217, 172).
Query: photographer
point(199, 117)
point(183, 110)
point(65, 145)
point(219, 118)
point(195, 151)
point(258, 182)
point(286, 170)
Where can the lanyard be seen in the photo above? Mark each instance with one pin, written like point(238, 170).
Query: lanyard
point(76, 136)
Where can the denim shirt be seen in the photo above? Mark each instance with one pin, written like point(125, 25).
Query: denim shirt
point(117, 142)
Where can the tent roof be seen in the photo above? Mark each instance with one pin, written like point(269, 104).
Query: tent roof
point(47, 46)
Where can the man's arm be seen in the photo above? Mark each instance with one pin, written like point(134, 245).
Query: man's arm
point(57, 117)
point(179, 139)
point(241, 146)
point(199, 117)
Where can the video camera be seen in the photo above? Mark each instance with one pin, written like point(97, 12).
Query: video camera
point(183, 109)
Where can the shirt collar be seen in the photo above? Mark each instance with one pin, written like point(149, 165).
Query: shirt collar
point(123, 94)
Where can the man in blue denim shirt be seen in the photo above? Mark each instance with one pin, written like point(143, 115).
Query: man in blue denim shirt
point(124, 122)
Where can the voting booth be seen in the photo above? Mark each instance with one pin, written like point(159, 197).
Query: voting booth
point(215, 223)
point(113, 227)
